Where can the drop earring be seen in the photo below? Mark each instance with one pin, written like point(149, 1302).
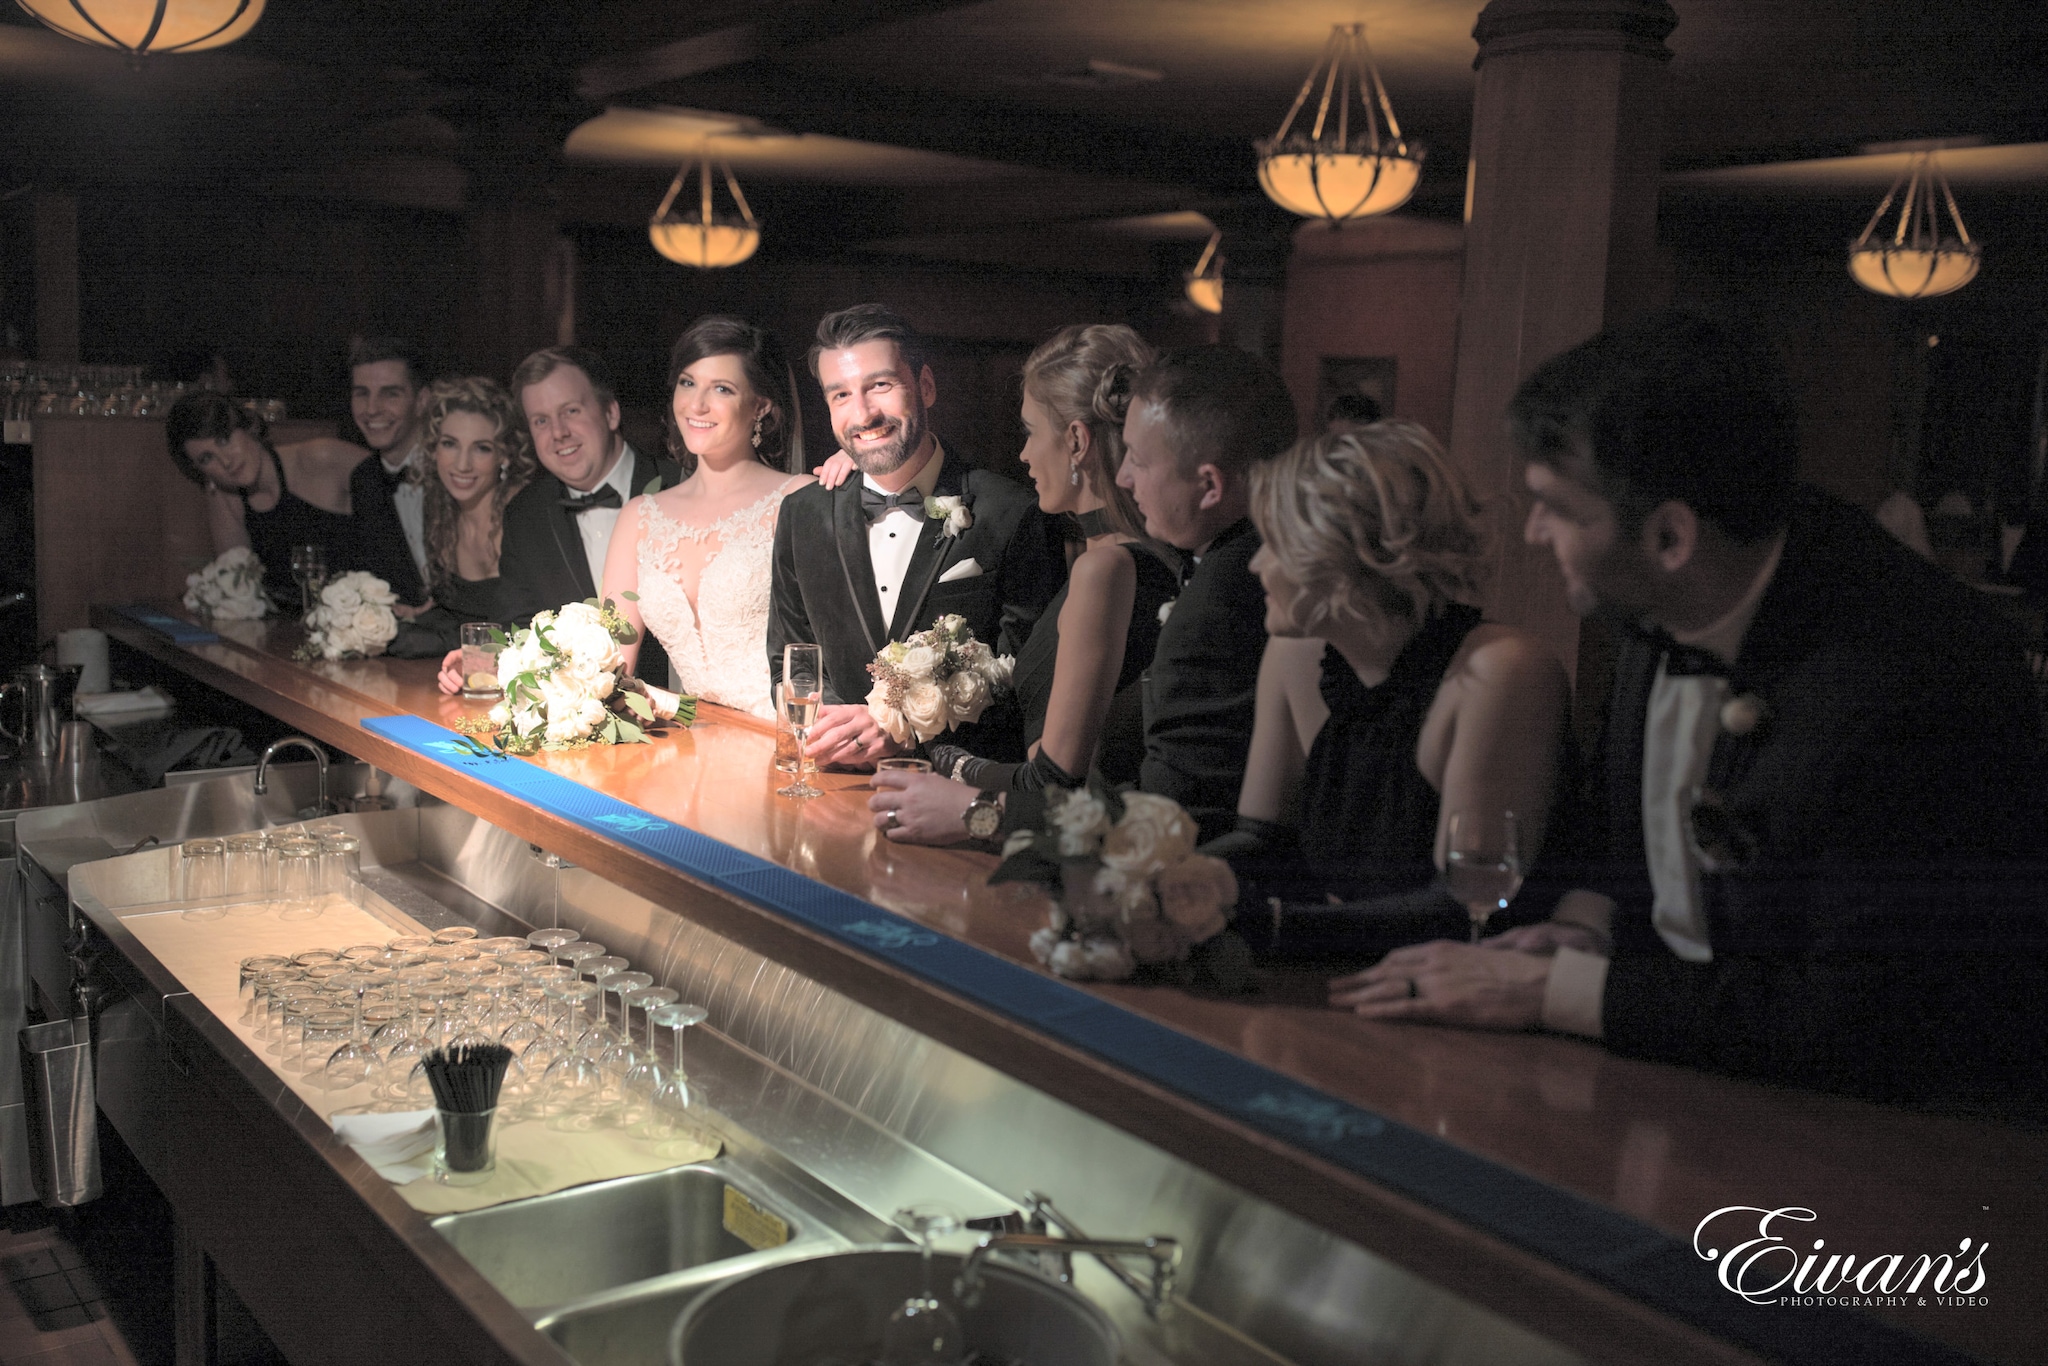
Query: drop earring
point(504, 470)
point(1074, 474)
point(757, 431)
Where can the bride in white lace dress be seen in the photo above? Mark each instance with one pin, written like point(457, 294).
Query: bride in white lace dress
point(697, 556)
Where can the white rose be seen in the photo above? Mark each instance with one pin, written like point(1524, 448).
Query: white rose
point(1153, 834)
point(341, 595)
point(370, 621)
point(892, 721)
point(1129, 892)
point(500, 715)
point(592, 713)
point(1082, 820)
point(1068, 960)
point(919, 661)
point(1195, 894)
point(1108, 959)
point(1043, 941)
point(924, 707)
point(376, 590)
point(967, 694)
point(565, 729)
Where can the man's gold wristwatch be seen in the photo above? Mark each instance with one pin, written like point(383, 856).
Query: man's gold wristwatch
point(983, 816)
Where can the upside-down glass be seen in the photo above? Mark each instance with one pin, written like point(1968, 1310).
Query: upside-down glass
point(201, 877)
point(354, 1062)
point(673, 1099)
point(298, 879)
point(247, 865)
point(572, 1089)
point(341, 865)
point(803, 690)
point(923, 1331)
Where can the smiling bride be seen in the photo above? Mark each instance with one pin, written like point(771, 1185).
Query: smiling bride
point(697, 555)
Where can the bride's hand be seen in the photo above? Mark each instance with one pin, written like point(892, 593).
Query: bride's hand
point(837, 470)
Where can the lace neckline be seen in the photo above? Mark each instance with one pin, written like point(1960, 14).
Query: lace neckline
point(724, 524)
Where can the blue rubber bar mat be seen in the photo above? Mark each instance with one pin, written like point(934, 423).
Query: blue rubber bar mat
point(183, 632)
point(1591, 1241)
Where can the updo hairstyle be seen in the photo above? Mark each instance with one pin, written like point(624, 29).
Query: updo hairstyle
point(1084, 374)
point(1371, 523)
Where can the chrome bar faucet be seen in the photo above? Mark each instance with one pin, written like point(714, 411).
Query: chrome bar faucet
point(1163, 1253)
point(302, 742)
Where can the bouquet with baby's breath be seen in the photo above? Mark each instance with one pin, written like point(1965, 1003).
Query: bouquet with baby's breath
point(565, 684)
point(229, 587)
point(928, 683)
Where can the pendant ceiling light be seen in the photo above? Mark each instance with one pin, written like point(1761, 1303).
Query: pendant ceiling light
point(707, 241)
point(1335, 169)
point(1914, 260)
point(143, 26)
point(1205, 281)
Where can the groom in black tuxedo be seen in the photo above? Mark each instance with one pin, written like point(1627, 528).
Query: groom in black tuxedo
point(558, 528)
point(864, 564)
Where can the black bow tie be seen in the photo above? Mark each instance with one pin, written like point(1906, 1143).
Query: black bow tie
point(606, 497)
point(392, 478)
point(875, 504)
point(1684, 661)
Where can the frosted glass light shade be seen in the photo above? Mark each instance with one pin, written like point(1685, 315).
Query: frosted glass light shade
point(1206, 292)
point(1915, 272)
point(707, 246)
point(1339, 186)
point(139, 26)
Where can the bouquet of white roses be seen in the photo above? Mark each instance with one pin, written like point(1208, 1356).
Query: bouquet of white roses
point(229, 588)
point(1131, 889)
point(352, 620)
point(566, 684)
point(935, 680)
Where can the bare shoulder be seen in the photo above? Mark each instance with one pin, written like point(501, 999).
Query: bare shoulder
point(1100, 569)
point(1294, 654)
point(325, 453)
point(1496, 658)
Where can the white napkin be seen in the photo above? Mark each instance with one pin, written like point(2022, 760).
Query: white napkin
point(105, 705)
point(400, 1146)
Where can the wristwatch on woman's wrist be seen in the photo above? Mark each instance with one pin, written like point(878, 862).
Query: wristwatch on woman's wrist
point(983, 816)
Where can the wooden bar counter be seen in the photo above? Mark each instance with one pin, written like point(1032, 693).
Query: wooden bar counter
point(1660, 1145)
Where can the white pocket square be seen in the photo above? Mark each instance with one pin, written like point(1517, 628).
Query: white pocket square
point(968, 568)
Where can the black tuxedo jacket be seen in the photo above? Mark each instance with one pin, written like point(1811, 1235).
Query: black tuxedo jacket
point(1879, 928)
point(824, 590)
point(541, 565)
point(1201, 688)
point(380, 538)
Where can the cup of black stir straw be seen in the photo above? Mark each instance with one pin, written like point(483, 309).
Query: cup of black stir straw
point(465, 1082)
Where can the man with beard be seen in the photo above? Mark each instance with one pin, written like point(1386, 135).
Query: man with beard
point(1815, 852)
point(864, 564)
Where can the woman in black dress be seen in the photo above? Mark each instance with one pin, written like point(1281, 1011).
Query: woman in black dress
point(1385, 703)
point(478, 457)
point(268, 498)
point(1077, 675)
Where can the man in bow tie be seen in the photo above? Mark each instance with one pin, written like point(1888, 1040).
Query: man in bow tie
point(558, 528)
point(864, 564)
point(1818, 819)
point(385, 494)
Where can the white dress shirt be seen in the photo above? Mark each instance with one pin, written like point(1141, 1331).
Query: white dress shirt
point(892, 538)
point(410, 498)
point(1680, 728)
point(595, 524)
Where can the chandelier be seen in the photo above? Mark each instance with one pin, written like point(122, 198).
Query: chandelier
point(1335, 170)
point(142, 26)
point(1915, 261)
point(707, 241)
point(1205, 281)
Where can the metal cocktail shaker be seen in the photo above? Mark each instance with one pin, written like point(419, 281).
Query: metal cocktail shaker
point(45, 695)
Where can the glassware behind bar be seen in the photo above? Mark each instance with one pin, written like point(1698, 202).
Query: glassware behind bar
point(309, 571)
point(923, 1331)
point(1482, 864)
point(481, 641)
point(803, 690)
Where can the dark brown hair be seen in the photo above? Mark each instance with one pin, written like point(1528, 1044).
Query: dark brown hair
point(1224, 407)
point(207, 416)
point(866, 323)
point(549, 359)
point(768, 373)
point(371, 350)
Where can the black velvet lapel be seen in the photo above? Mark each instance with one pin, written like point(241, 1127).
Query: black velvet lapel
point(850, 535)
point(933, 552)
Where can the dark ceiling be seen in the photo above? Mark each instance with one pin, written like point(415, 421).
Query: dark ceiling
point(411, 103)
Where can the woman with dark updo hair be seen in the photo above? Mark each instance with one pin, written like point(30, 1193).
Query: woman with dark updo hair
point(267, 498)
point(697, 555)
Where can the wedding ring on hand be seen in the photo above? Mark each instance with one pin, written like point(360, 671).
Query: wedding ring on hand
point(892, 822)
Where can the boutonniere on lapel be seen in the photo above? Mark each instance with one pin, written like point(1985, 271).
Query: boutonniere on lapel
point(1166, 610)
point(950, 512)
point(1743, 713)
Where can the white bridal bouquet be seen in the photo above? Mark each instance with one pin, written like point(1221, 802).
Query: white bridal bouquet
point(229, 588)
point(352, 620)
point(1130, 887)
point(928, 683)
point(566, 684)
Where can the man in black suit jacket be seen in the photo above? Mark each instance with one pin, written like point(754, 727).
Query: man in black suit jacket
point(861, 565)
point(558, 528)
point(1199, 419)
point(1816, 855)
point(385, 376)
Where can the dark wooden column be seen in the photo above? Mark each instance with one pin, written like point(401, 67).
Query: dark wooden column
point(56, 265)
point(1567, 131)
point(521, 292)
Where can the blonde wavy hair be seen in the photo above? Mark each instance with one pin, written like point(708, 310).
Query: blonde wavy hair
point(1371, 523)
point(517, 465)
point(1084, 373)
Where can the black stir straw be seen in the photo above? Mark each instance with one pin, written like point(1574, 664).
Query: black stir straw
point(465, 1082)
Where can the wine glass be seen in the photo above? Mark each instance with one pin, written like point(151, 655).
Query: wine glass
point(922, 1331)
point(309, 570)
point(1483, 864)
point(803, 689)
point(353, 1063)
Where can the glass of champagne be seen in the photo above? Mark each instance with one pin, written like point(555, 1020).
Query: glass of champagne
point(1483, 864)
point(309, 569)
point(803, 688)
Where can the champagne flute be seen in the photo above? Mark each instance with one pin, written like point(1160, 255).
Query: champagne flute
point(309, 569)
point(803, 689)
point(1483, 864)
